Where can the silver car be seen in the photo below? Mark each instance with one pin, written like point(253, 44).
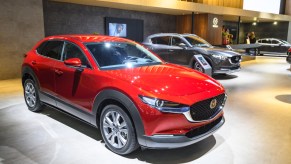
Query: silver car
point(273, 45)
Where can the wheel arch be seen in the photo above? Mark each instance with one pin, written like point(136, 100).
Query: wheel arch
point(28, 73)
point(112, 96)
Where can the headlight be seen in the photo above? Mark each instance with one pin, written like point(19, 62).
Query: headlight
point(165, 106)
point(221, 57)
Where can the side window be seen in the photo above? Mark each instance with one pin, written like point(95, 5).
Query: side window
point(275, 42)
point(164, 40)
point(52, 49)
point(266, 41)
point(176, 41)
point(72, 51)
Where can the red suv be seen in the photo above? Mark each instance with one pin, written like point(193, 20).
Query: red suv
point(134, 97)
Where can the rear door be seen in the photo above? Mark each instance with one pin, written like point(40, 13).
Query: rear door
point(49, 53)
point(161, 45)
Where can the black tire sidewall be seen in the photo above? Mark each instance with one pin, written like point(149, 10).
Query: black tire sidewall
point(131, 144)
point(37, 106)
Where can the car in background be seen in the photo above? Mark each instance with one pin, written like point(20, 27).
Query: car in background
point(180, 48)
point(134, 97)
point(273, 45)
point(288, 59)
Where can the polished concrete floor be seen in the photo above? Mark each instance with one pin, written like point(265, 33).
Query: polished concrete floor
point(257, 128)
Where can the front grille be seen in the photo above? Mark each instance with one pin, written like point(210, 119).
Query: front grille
point(202, 110)
point(203, 129)
point(235, 59)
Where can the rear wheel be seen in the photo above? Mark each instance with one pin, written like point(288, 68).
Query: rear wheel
point(117, 130)
point(31, 96)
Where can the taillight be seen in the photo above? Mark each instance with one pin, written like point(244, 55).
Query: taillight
point(289, 50)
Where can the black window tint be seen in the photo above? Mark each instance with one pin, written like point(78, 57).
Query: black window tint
point(267, 41)
point(40, 48)
point(107, 56)
point(53, 49)
point(164, 40)
point(176, 41)
point(275, 42)
point(72, 51)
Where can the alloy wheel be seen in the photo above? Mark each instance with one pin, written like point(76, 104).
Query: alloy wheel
point(198, 67)
point(30, 95)
point(115, 129)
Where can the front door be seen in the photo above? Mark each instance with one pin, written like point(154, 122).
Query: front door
point(74, 84)
point(178, 52)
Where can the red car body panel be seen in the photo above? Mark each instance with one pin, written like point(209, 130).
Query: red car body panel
point(166, 81)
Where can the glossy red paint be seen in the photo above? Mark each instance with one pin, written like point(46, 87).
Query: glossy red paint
point(166, 81)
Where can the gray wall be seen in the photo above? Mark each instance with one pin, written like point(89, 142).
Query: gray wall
point(265, 30)
point(21, 27)
point(65, 18)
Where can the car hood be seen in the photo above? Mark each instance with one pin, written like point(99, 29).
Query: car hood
point(217, 51)
point(166, 79)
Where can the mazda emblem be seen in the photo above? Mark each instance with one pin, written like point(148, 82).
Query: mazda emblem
point(213, 103)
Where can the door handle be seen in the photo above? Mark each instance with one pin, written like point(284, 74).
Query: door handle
point(58, 72)
point(33, 62)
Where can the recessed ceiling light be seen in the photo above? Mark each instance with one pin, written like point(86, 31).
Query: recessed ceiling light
point(275, 23)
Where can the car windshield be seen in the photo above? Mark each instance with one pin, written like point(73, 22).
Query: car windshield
point(116, 55)
point(284, 42)
point(197, 41)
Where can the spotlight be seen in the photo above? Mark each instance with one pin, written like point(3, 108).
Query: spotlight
point(275, 23)
point(254, 23)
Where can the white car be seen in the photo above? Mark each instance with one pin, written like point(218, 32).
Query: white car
point(273, 45)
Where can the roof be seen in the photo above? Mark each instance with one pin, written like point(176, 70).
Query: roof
point(90, 38)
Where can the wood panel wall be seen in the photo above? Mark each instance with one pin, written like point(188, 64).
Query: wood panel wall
point(203, 27)
point(288, 7)
point(225, 3)
point(184, 24)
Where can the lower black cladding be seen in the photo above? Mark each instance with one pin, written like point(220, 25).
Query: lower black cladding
point(203, 129)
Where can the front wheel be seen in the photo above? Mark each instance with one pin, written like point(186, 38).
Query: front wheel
point(117, 130)
point(31, 96)
point(198, 67)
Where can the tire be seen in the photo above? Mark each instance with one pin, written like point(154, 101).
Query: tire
point(31, 96)
point(197, 67)
point(114, 132)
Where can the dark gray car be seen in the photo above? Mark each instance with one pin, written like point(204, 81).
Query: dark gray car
point(180, 49)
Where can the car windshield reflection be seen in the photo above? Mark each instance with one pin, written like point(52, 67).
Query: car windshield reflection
point(115, 55)
point(197, 41)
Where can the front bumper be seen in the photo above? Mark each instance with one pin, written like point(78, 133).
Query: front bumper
point(226, 70)
point(288, 59)
point(176, 141)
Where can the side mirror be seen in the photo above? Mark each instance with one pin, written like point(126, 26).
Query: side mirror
point(75, 62)
point(183, 45)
